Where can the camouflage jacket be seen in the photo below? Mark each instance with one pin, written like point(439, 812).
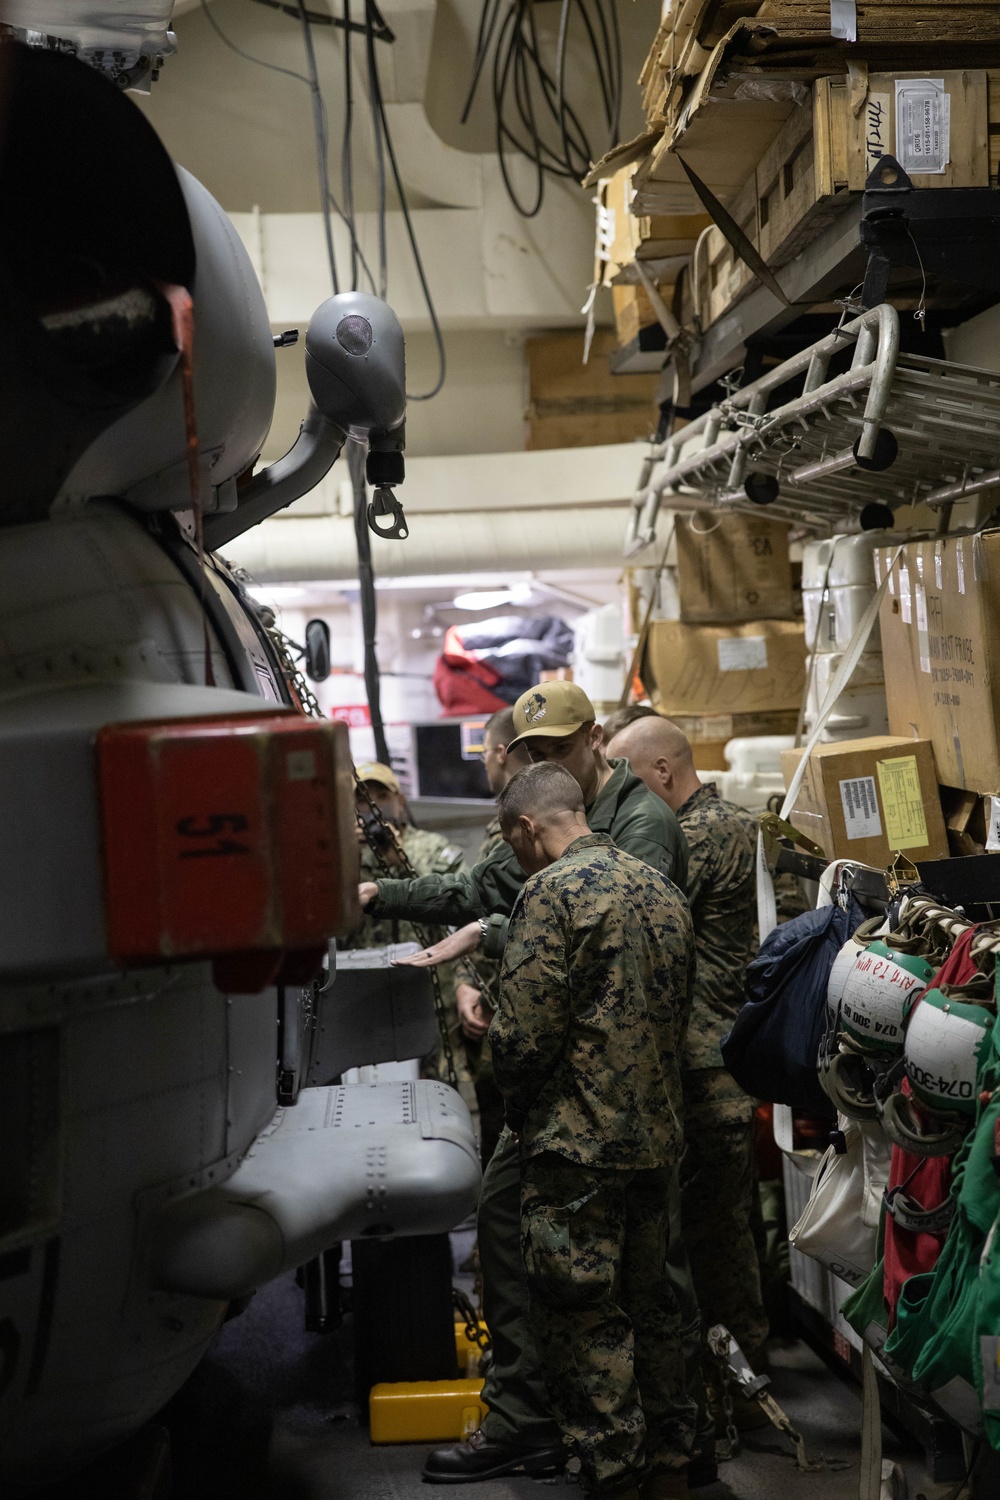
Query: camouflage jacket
point(722, 892)
point(639, 822)
point(429, 854)
point(593, 994)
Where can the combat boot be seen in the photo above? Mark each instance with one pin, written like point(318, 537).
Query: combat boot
point(666, 1484)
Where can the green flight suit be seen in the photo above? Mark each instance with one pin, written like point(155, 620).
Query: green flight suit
point(586, 1042)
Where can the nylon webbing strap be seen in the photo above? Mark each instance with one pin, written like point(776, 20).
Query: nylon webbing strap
point(870, 1476)
point(767, 912)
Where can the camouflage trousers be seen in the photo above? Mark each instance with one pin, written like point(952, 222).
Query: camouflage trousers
point(717, 1192)
point(606, 1318)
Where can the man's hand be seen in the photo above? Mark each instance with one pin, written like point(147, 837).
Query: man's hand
point(367, 891)
point(474, 1017)
point(465, 940)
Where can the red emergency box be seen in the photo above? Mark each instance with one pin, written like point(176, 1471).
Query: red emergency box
point(230, 838)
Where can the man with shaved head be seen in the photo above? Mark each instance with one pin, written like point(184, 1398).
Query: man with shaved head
point(717, 1175)
point(594, 993)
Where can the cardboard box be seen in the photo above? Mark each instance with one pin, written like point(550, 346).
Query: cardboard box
point(574, 405)
point(940, 624)
point(757, 667)
point(642, 236)
point(870, 799)
point(733, 567)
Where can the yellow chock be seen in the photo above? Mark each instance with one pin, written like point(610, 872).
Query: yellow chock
point(425, 1411)
point(467, 1353)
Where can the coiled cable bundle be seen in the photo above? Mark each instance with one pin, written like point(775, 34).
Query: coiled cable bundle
point(531, 88)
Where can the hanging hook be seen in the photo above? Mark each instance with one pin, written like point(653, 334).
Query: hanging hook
point(384, 503)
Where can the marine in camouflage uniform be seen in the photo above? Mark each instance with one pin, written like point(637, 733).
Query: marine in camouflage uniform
point(717, 1175)
point(429, 854)
point(586, 1051)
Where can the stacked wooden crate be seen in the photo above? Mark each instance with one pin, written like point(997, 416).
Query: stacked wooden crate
point(663, 243)
point(783, 121)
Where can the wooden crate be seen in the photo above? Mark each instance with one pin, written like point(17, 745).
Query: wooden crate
point(647, 236)
point(819, 163)
point(719, 277)
point(577, 405)
point(634, 311)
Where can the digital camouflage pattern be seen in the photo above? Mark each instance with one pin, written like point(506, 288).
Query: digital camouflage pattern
point(722, 894)
point(594, 991)
point(717, 1196)
point(605, 1315)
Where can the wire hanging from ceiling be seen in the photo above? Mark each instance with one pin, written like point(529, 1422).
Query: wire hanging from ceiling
point(535, 116)
point(374, 29)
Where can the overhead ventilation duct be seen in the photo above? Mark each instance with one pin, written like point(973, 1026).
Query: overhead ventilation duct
point(322, 549)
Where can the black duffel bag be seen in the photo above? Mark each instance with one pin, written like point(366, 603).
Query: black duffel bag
point(773, 1046)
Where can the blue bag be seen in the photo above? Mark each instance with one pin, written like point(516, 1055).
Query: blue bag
point(773, 1046)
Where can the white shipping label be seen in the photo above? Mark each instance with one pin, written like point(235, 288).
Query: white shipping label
point(960, 566)
point(844, 20)
point(923, 640)
point(939, 565)
point(861, 815)
point(923, 125)
point(905, 601)
point(993, 831)
point(878, 119)
point(742, 653)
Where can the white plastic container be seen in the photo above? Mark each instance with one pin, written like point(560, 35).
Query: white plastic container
point(861, 709)
point(754, 774)
point(756, 754)
point(599, 659)
point(838, 584)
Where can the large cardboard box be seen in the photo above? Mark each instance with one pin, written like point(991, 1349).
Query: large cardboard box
point(573, 405)
point(733, 568)
point(756, 667)
point(940, 625)
point(870, 799)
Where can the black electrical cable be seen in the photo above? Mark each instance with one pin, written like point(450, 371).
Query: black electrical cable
point(347, 154)
point(378, 125)
point(322, 144)
point(348, 222)
point(379, 110)
point(375, 29)
point(369, 604)
point(534, 117)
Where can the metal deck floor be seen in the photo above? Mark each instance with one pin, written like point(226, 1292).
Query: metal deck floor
point(268, 1417)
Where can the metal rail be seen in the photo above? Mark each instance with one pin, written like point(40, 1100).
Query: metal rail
point(822, 448)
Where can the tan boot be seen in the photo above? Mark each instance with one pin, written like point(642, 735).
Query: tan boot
point(666, 1485)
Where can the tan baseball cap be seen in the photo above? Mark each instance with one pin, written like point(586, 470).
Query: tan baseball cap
point(552, 708)
point(374, 770)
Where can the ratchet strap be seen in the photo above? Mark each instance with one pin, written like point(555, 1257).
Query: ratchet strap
point(767, 913)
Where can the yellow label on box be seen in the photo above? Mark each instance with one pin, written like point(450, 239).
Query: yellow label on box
point(902, 803)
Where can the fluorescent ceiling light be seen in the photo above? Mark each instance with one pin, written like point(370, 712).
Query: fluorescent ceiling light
point(276, 591)
point(483, 599)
